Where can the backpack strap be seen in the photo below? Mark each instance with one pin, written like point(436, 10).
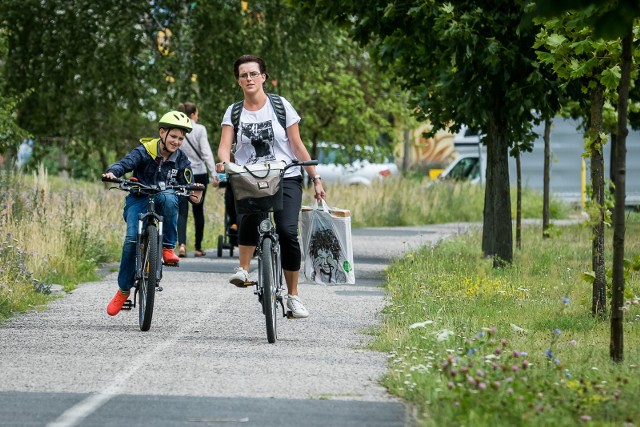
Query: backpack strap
point(278, 106)
point(235, 121)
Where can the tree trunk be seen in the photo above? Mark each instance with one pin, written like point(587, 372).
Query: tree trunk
point(502, 236)
point(599, 300)
point(487, 214)
point(406, 158)
point(546, 178)
point(519, 202)
point(616, 346)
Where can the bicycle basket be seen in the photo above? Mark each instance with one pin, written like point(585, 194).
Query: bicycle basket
point(256, 188)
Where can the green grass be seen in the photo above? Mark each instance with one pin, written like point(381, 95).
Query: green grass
point(471, 345)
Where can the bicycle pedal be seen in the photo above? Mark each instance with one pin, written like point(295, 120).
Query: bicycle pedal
point(177, 264)
point(128, 305)
point(289, 314)
point(158, 288)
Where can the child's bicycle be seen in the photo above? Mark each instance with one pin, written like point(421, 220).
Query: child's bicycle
point(269, 287)
point(148, 246)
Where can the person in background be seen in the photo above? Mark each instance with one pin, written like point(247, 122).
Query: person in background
point(271, 143)
point(154, 161)
point(196, 147)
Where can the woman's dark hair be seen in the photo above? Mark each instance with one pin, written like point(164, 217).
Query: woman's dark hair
point(249, 58)
point(188, 108)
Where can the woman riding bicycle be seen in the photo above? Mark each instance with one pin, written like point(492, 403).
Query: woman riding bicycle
point(154, 161)
point(261, 138)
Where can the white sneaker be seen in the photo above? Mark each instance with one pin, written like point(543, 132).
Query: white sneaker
point(297, 308)
point(240, 278)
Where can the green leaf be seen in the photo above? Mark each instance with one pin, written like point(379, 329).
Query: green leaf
point(555, 41)
point(610, 77)
point(589, 276)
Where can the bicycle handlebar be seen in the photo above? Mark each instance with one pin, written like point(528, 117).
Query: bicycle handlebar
point(136, 186)
point(301, 163)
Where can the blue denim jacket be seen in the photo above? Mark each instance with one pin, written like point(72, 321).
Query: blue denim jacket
point(149, 167)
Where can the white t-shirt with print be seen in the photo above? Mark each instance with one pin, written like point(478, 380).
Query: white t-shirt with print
point(260, 136)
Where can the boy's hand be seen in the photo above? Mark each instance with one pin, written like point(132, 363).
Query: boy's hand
point(109, 175)
point(196, 196)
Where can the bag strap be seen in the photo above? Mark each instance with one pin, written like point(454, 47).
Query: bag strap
point(255, 175)
point(193, 148)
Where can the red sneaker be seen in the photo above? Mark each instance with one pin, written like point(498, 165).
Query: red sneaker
point(116, 303)
point(169, 257)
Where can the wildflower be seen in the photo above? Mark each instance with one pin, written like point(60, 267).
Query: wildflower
point(515, 368)
point(565, 300)
point(510, 390)
point(525, 364)
point(482, 386)
point(456, 404)
point(567, 374)
point(498, 351)
point(516, 353)
point(585, 418)
point(450, 385)
point(557, 331)
point(496, 384)
point(556, 361)
point(573, 342)
point(548, 353)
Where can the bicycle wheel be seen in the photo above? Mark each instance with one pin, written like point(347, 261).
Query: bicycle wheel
point(269, 285)
point(147, 285)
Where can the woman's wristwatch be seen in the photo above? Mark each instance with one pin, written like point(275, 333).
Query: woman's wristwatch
point(315, 178)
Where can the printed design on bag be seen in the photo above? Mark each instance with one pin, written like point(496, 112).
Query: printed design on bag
point(325, 253)
point(261, 138)
point(346, 266)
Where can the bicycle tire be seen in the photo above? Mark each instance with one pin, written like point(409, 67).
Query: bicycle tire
point(147, 284)
point(269, 288)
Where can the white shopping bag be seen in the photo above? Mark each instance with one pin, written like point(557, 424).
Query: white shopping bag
point(326, 244)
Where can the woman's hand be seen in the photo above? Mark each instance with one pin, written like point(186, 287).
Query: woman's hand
point(320, 193)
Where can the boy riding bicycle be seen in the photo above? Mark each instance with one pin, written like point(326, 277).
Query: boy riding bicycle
point(154, 161)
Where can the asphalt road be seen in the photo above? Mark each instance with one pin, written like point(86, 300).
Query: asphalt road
point(206, 360)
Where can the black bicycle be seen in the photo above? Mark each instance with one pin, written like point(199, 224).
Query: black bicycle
point(148, 246)
point(269, 287)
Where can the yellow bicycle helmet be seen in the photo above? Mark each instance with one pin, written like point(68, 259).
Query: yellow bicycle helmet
point(176, 119)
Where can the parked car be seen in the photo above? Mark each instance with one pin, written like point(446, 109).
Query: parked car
point(335, 169)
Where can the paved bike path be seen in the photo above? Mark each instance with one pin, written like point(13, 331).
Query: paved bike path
point(206, 359)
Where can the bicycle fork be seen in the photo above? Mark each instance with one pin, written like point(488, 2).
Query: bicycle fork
point(142, 223)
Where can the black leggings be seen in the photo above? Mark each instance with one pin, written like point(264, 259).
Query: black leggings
point(286, 225)
point(198, 214)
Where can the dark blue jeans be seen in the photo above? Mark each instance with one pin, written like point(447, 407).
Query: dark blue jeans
point(167, 206)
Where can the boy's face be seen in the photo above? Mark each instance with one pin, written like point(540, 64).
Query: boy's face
point(174, 139)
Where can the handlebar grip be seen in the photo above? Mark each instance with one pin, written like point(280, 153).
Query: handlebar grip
point(309, 163)
point(116, 180)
